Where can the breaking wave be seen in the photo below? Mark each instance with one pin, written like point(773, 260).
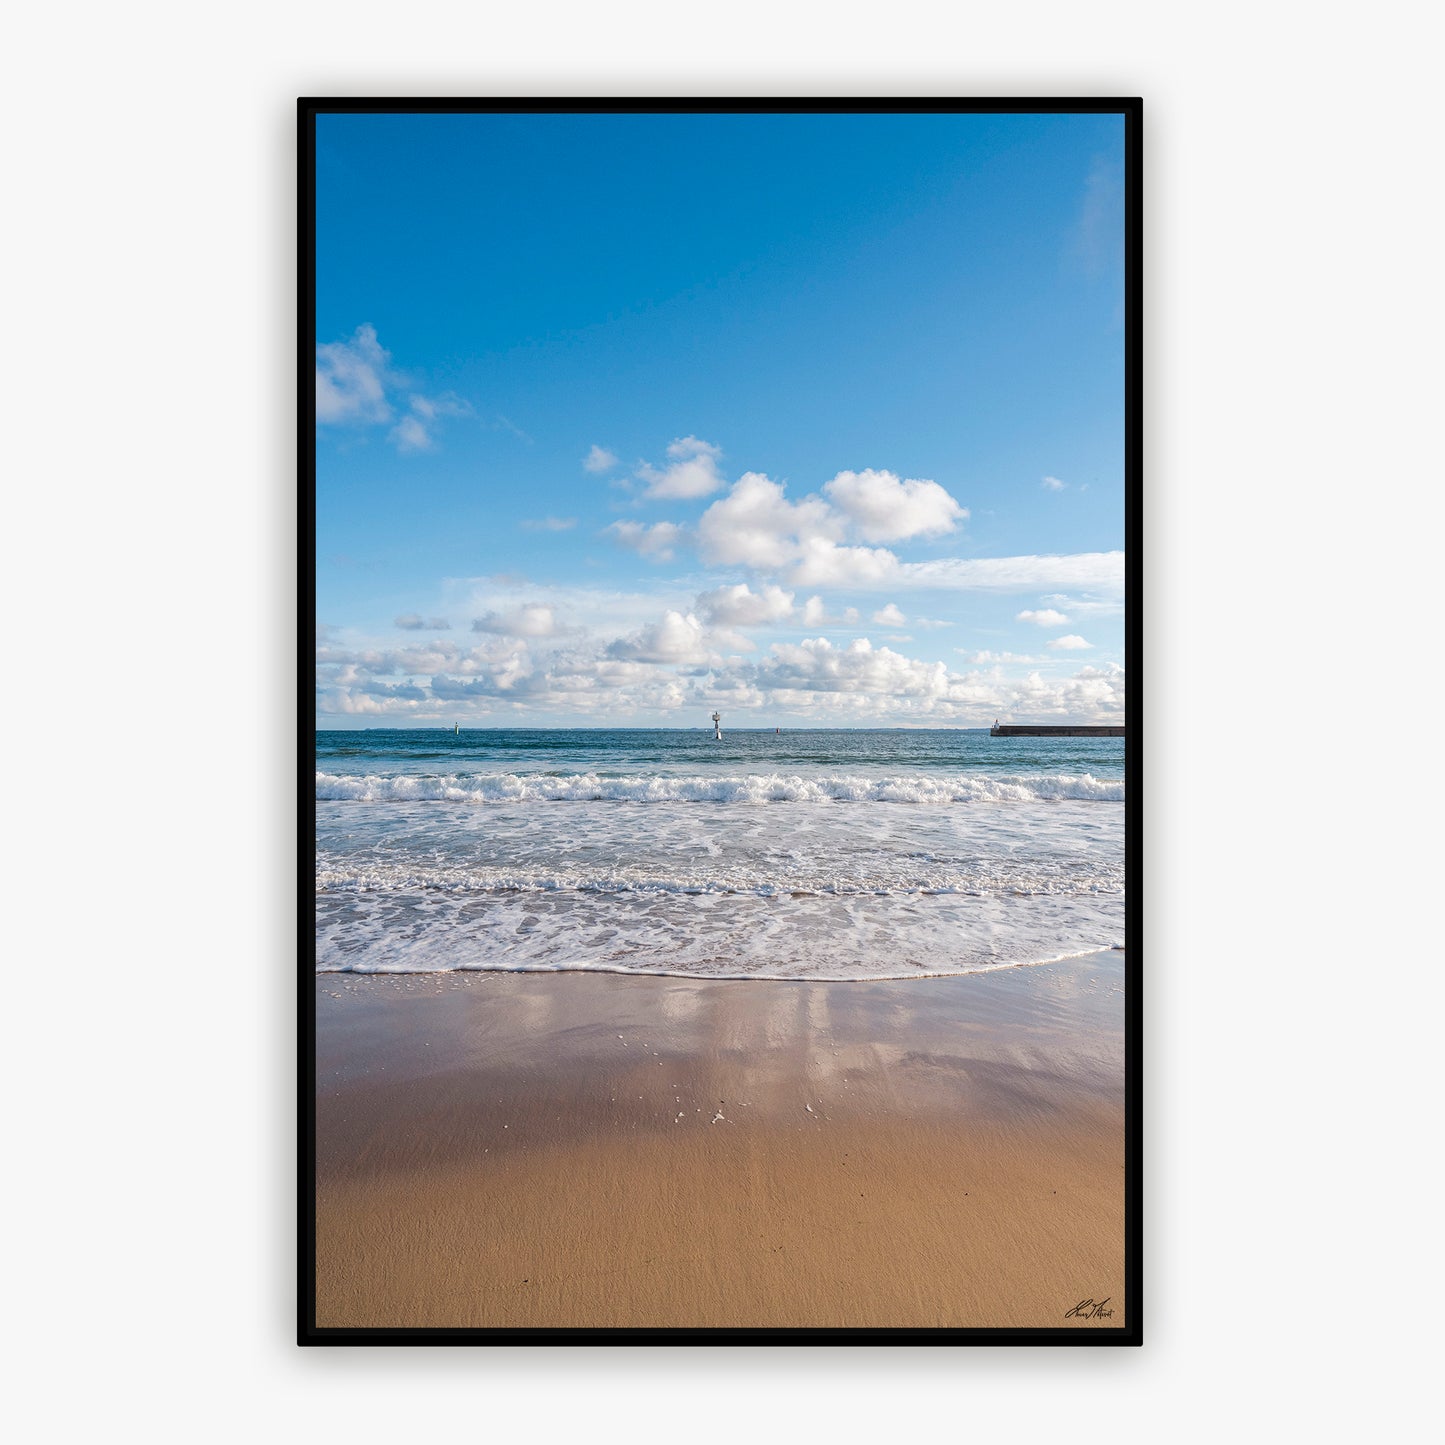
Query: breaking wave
point(752, 788)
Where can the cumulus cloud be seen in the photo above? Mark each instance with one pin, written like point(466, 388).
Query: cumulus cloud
point(691, 471)
point(656, 541)
point(815, 614)
point(756, 526)
point(825, 564)
point(599, 612)
point(532, 619)
point(653, 653)
point(1092, 693)
point(740, 606)
point(599, 459)
point(881, 507)
point(1053, 484)
point(337, 701)
point(807, 542)
point(818, 541)
point(674, 664)
point(675, 639)
point(815, 665)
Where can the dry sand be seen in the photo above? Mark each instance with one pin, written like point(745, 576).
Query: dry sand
point(601, 1150)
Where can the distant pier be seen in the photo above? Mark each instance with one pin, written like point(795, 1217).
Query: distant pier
point(1010, 730)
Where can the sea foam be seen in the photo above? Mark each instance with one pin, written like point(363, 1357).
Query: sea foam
point(751, 788)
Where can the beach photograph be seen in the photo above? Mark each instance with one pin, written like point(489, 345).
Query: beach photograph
point(715, 520)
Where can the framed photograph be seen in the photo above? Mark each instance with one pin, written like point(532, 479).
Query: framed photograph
point(717, 787)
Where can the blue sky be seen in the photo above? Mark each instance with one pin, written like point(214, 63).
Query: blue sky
point(814, 419)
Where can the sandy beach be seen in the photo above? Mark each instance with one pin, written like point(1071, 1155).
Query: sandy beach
point(574, 1150)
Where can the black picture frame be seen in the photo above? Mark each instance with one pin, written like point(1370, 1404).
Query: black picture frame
point(308, 1332)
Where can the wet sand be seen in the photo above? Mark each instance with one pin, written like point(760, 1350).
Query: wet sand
point(583, 1150)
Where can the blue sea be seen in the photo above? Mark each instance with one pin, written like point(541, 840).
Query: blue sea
point(829, 854)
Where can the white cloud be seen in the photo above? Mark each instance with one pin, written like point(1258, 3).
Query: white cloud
point(690, 472)
point(825, 564)
point(815, 614)
point(599, 459)
point(351, 380)
point(655, 653)
point(672, 665)
point(532, 619)
point(355, 386)
point(815, 665)
point(803, 542)
point(429, 408)
point(347, 664)
point(1086, 571)
point(1098, 237)
point(756, 526)
point(675, 639)
point(410, 435)
point(1092, 693)
point(740, 606)
point(600, 612)
point(334, 701)
point(881, 507)
point(1053, 484)
point(415, 433)
point(1087, 606)
point(726, 639)
point(656, 541)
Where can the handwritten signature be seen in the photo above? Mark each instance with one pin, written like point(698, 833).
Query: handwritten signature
point(1088, 1309)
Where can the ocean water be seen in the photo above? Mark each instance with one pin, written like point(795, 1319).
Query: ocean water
point(829, 854)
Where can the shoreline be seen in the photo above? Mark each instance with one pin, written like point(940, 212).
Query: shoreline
point(586, 1149)
point(619, 971)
